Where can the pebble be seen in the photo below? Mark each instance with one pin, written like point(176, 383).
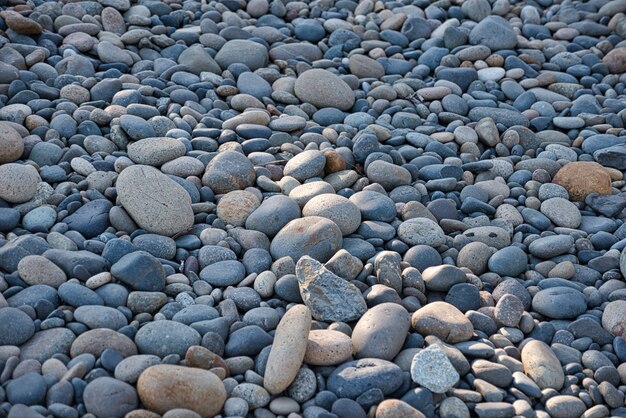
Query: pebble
point(155, 202)
point(387, 322)
point(200, 390)
point(326, 347)
point(444, 321)
point(432, 369)
point(288, 349)
point(542, 365)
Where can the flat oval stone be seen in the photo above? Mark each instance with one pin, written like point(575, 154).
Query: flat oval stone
point(322, 88)
point(327, 347)
point(18, 182)
point(381, 331)
point(288, 349)
point(155, 151)
point(106, 396)
point(157, 203)
point(97, 340)
point(16, 327)
point(149, 338)
point(317, 237)
point(560, 302)
point(338, 209)
point(542, 365)
point(444, 321)
point(196, 389)
point(354, 378)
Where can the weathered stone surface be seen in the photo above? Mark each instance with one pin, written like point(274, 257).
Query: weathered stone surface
point(328, 296)
point(157, 203)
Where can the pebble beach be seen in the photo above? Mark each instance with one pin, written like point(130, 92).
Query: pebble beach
point(312, 209)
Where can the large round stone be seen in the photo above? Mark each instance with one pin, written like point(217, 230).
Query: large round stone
point(542, 365)
point(18, 182)
point(155, 151)
point(15, 326)
point(581, 178)
point(381, 332)
point(421, 231)
point(155, 202)
point(614, 318)
point(560, 302)
point(228, 171)
point(443, 321)
point(164, 387)
point(322, 88)
point(108, 397)
point(252, 54)
point(314, 236)
point(11, 144)
point(338, 209)
point(162, 338)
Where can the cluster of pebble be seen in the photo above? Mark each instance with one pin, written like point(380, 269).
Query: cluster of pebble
point(318, 209)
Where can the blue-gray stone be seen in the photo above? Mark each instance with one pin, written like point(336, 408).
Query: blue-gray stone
point(164, 337)
point(91, 219)
point(141, 271)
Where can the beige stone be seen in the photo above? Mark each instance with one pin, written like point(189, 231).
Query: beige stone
point(327, 347)
point(582, 178)
point(288, 349)
point(164, 387)
point(542, 365)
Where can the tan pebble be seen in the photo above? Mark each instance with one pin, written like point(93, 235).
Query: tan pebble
point(542, 365)
point(582, 178)
point(96, 341)
point(36, 269)
point(98, 280)
point(394, 408)
point(165, 387)
point(326, 347)
point(142, 413)
point(288, 349)
point(203, 358)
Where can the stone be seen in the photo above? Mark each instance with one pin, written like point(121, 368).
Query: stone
point(228, 171)
point(559, 302)
point(614, 318)
point(196, 389)
point(345, 214)
point(141, 271)
point(150, 338)
point(235, 207)
point(322, 88)
point(155, 151)
point(495, 33)
point(391, 408)
point(305, 165)
point(442, 278)
point(432, 369)
point(154, 201)
point(381, 331)
point(352, 379)
point(18, 182)
point(16, 327)
point(11, 144)
point(561, 212)
point(21, 24)
point(582, 178)
point(616, 60)
point(288, 349)
point(35, 269)
point(328, 296)
point(312, 236)
point(421, 231)
point(565, 406)
point(443, 321)
point(542, 366)
point(251, 54)
point(327, 347)
point(106, 397)
point(97, 340)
